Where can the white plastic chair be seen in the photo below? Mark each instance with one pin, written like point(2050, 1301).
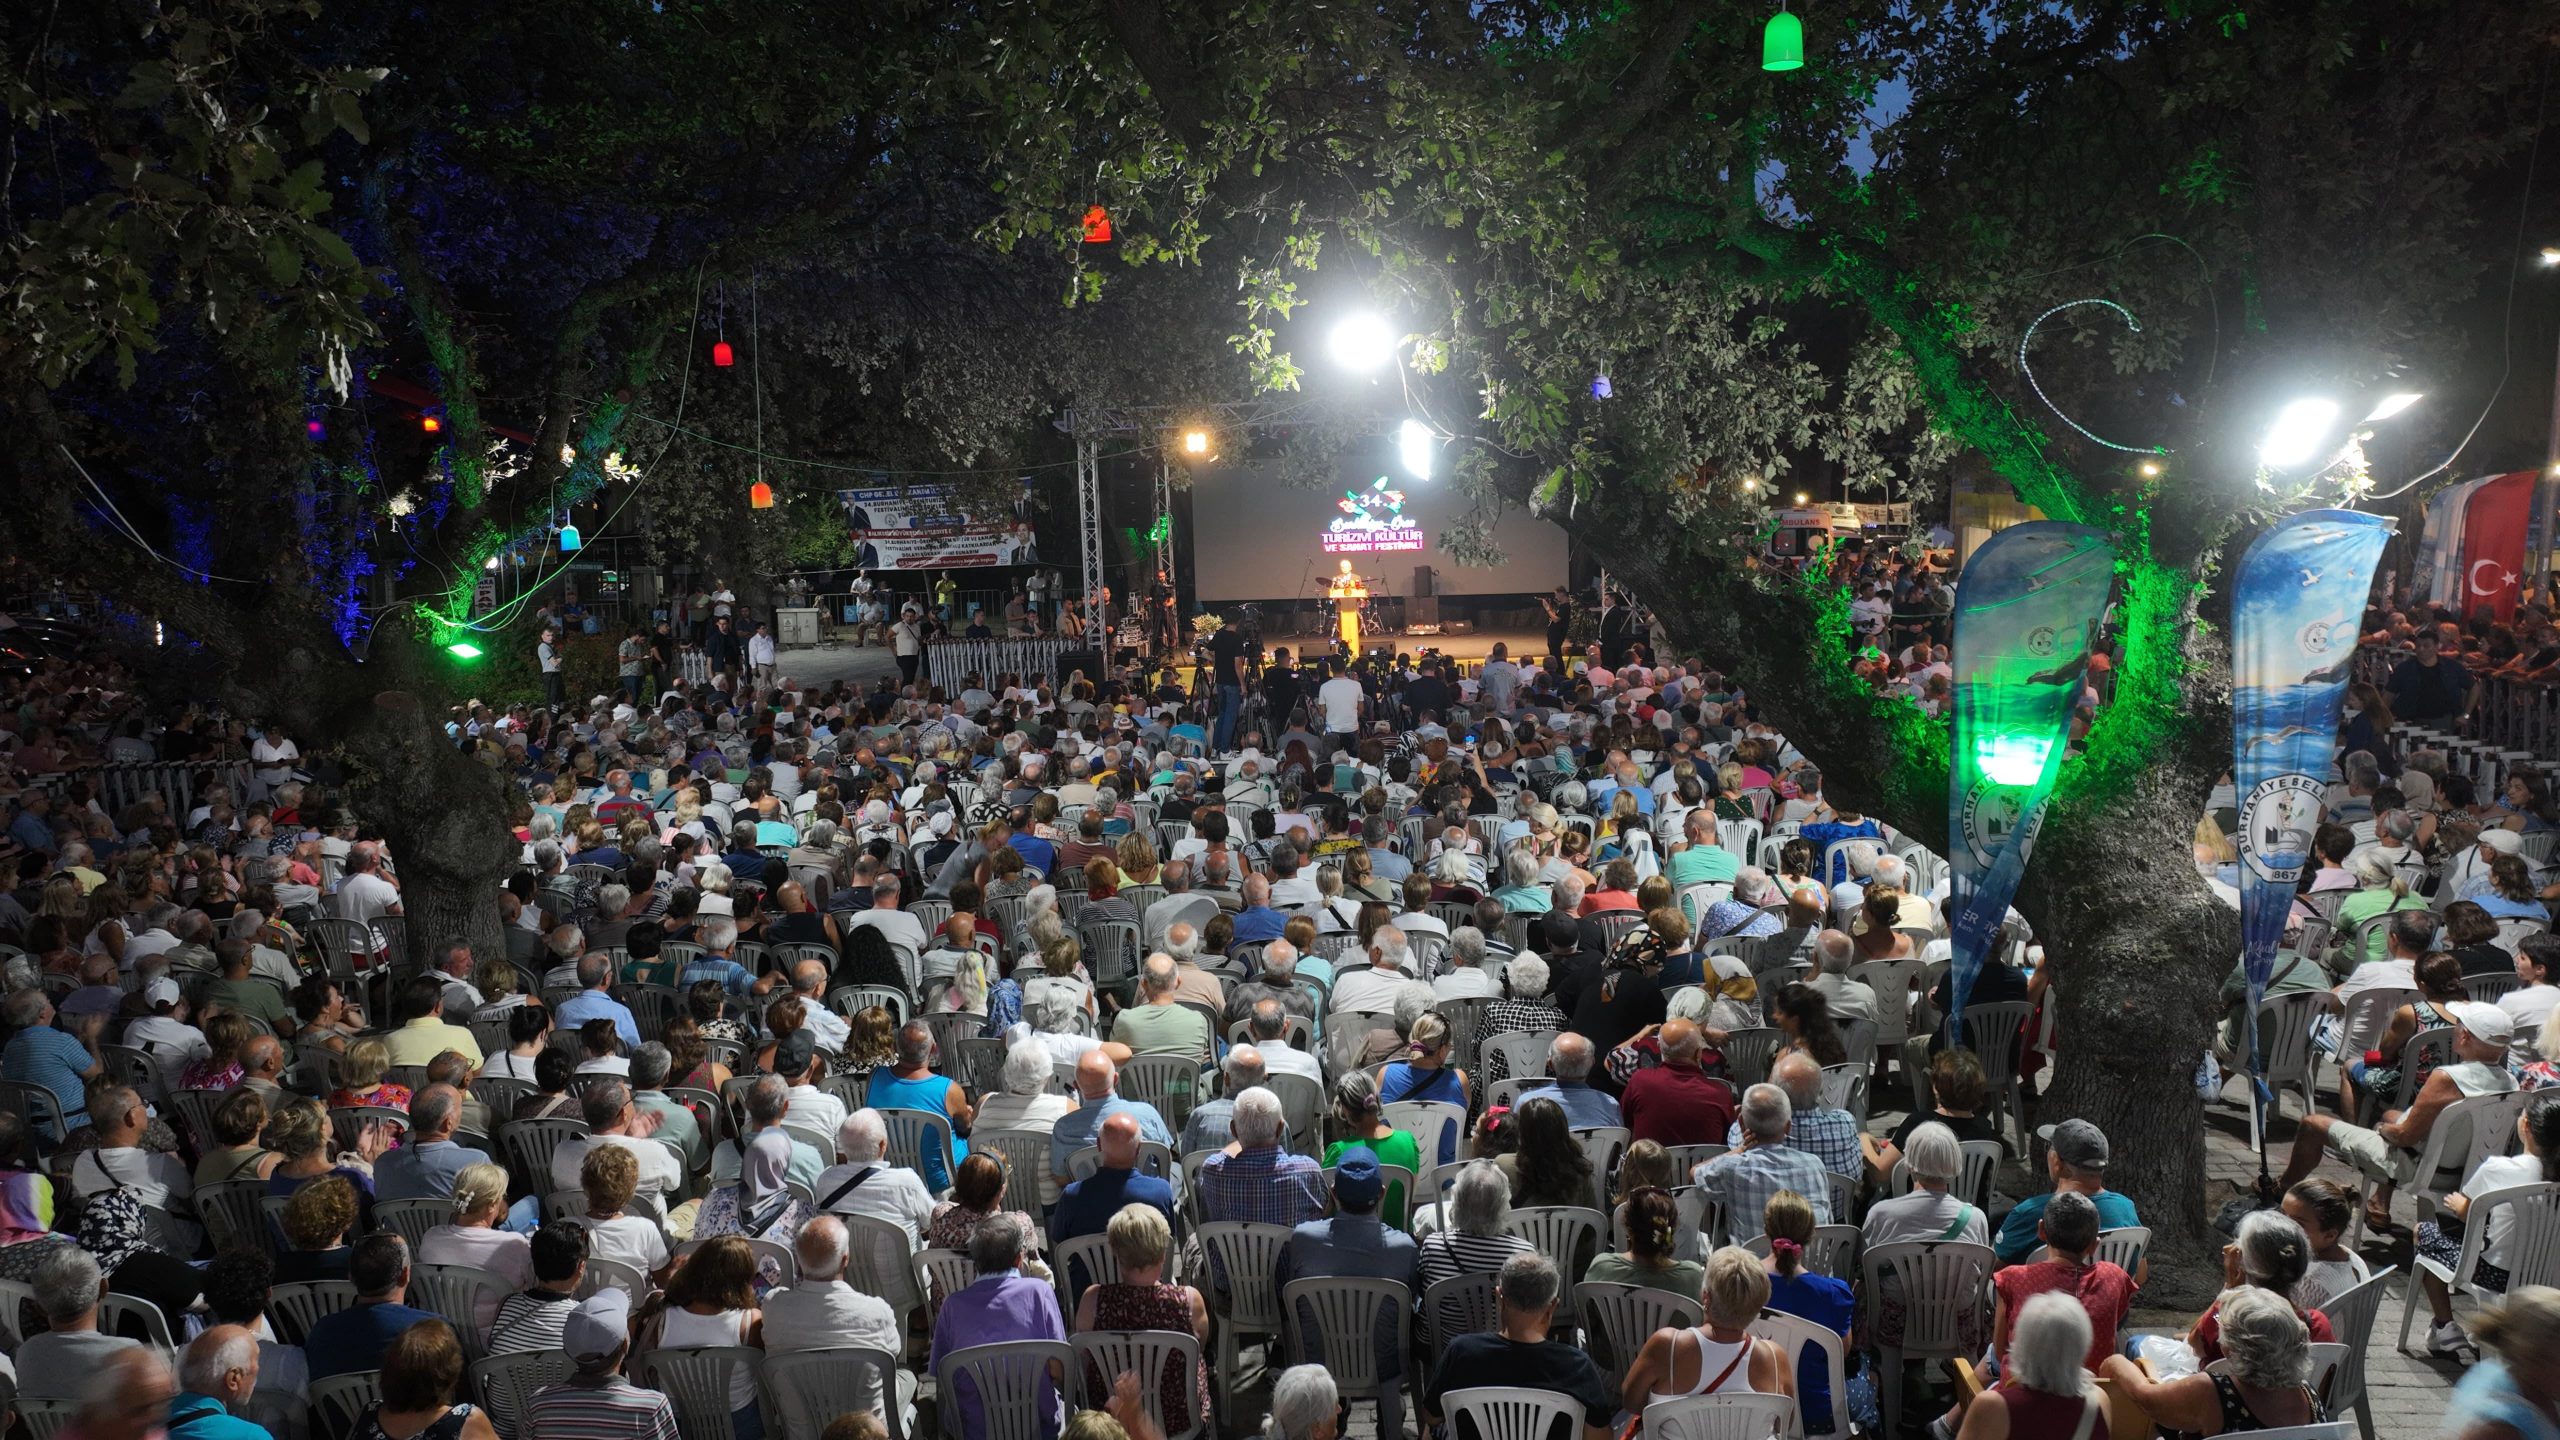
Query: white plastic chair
point(1945, 1287)
point(1333, 1321)
point(505, 1384)
point(1010, 1381)
point(1602, 1145)
point(1150, 1353)
point(1460, 1305)
point(1617, 1319)
point(2533, 1245)
point(1570, 1235)
point(695, 1379)
point(1738, 1416)
point(1431, 1123)
point(879, 1260)
point(2351, 1319)
point(1833, 1251)
point(455, 1292)
point(1243, 1261)
point(805, 1390)
point(340, 1402)
point(2284, 1041)
point(1504, 1412)
point(295, 1306)
point(1791, 1333)
point(911, 1132)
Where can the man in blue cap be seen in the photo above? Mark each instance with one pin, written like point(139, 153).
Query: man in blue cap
point(1355, 1244)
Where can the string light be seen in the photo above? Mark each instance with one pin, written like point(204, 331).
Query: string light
point(2029, 371)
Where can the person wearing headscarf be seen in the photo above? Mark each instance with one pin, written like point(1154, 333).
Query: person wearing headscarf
point(112, 1230)
point(27, 1236)
point(760, 1206)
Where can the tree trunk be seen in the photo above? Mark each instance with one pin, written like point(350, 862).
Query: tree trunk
point(445, 818)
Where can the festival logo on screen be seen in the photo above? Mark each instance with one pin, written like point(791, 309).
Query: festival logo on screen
point(1371, 520)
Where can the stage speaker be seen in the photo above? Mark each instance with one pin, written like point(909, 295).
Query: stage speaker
point(1088, 661)
point(1424, 607)
point(1424, 581)
point(1462, 627)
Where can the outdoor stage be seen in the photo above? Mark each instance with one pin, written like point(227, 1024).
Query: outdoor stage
point(1469, 649)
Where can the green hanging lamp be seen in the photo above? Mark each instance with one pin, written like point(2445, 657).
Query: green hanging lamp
point(1782, 43)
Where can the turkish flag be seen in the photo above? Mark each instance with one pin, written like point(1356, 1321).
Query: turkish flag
point(2493, 534)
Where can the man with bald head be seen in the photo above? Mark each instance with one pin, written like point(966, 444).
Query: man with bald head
point(1257, 921)
point(1097, 1100)
point(1086, 1206)
point(809, 982)
point(216, 1376)
point(1569, 1060)
point(126, 1398)
point(1828, 1135)
point(1677, 1102)
point(425, 1164)
point(262, 1069)
point(1161, 1024)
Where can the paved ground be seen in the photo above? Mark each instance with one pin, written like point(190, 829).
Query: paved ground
point(826, 664)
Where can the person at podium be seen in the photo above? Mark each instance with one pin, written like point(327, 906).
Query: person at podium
point(1347, 591)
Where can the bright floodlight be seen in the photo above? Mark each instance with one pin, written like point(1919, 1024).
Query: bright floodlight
point(1414, 444)
point(2551, 254)
point(2297, 435)
point(1362, 342)
point(2013, 760)
point(1195, 442)
point(2392, 405)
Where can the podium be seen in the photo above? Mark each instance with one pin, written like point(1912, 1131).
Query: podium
point(1347, 593)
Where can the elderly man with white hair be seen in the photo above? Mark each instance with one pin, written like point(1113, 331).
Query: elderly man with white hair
point(1915, 910)
point(1267, 1027)
point(1212, 1122)
point(1372, 989)
point(1764, 1164)
point(1569, 1060)
point(1833, 955)
point(1929, 1211)
point(1465, 979)
point(1259, 1181)
point(820, 1311)
point(866, 1184)
point(217, 1374)
point(1849, 895)
point(1190, 982)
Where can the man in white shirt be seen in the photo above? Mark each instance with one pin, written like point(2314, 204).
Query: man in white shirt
point(760, 655)
point(1372, 991)
point(1343, 703)
point(796, 1060)
point(1291, 887)
point(809, 981)
point(1833, 954)
point(866, 1185)
point(2531, 1004)
point(363, 895)
point(2410, 935)
point(1465, 978)
point(274, 754)
point(165, 1034)
point(1269, 1022)
point(897, 924)
point(819, 1311)
point(160, 1181)
point(613, 1120)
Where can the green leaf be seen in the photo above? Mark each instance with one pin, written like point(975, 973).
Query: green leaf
point(350, 116)
point(284, 266)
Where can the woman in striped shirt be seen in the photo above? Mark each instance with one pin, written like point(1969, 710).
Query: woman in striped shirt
point(1472, 1238)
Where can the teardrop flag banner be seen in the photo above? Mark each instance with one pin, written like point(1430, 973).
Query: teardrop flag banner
point(2297, 605)
point(2027, 612)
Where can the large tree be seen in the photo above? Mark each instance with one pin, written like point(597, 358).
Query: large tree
point(1784, 269)
point(252, 250)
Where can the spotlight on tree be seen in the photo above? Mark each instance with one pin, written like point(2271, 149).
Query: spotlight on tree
point(2391, 405)
point(1414, 444)
point(1361, 343)
point(2300, 430)
point(2014, 760)
point(463, 650)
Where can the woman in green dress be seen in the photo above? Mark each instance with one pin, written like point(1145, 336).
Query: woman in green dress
point(1356, 1105)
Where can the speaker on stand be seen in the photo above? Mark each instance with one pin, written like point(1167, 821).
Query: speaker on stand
point(1422, 614)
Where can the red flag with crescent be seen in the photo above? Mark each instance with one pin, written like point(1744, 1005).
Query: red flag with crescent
point(2493, 536)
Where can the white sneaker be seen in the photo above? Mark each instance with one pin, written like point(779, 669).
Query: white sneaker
point(2448, 1339)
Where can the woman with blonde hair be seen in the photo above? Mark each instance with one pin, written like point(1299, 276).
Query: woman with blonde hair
point(1138, 862)
point(713, 880)
point(474, 1237)
point(1426, 1074)
point(1721, 1357)
point(1141, 1299)
point(1794, 1289)
point(299, 1132)
point(360, 1081)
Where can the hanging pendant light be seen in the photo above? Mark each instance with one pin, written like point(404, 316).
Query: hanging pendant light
point(1782, 43)
point(569, 537)
point(760, 496)
point(721, 355)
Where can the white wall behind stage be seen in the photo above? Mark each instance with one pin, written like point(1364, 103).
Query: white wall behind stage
point(1256, 538)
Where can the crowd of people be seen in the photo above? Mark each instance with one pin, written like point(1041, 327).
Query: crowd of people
point(877, 1021)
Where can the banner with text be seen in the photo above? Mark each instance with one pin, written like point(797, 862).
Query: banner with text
point(2297, 603)
point(2027, 612)
point(920, 527)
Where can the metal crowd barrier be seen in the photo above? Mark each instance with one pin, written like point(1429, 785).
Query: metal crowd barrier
point(2509, 720)
point(175, 781)
point(948, 662)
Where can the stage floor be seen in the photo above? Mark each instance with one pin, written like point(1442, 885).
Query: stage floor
point(1470, 648)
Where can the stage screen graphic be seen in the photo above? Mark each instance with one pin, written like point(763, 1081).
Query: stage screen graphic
point(1256, 538)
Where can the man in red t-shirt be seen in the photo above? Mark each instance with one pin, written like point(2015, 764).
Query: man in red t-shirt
point(1676, 1102)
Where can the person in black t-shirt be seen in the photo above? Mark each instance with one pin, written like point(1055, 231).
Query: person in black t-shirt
point(1518, 1354)
point(1226, 661)
point(2428, 686)
point(1428, 694)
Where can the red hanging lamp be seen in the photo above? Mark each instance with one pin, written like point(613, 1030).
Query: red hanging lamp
point(721, 355)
